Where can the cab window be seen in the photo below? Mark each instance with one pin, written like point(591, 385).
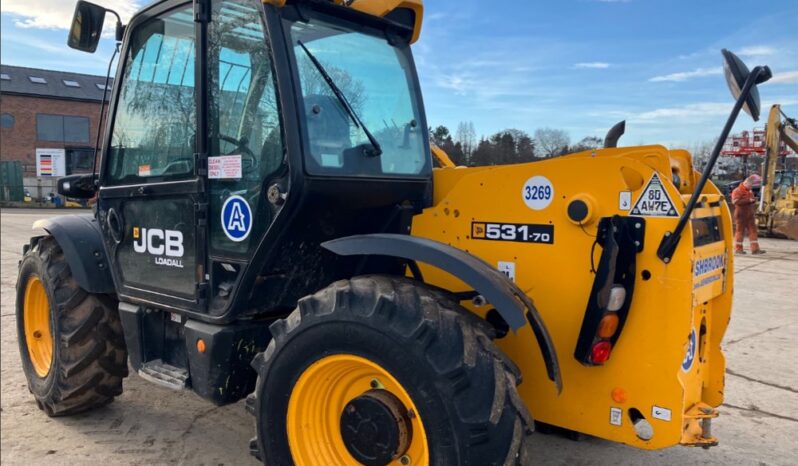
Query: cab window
point(153, 137)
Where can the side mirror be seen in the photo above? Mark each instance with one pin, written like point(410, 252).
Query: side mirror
point(87, 27)
point(736, 74)
point(77, 186)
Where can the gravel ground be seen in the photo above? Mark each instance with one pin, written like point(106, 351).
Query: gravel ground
point(153, 425)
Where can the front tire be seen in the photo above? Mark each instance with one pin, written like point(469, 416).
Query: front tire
point(384, 370)
point(71, 343)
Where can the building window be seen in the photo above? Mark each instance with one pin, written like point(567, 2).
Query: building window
point(70, 83)
point(61, 128)
point(5, 77)
point(7, 120)
point(103, 87)
point(37, 80)
point(79, 160)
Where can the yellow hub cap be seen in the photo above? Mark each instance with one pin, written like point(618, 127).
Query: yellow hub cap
point(318, 401)
point(36, 321)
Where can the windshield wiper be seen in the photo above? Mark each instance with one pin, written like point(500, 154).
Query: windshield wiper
point(377, 149)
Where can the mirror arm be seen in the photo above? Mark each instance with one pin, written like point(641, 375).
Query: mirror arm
point(671, 239)
point(119, 33)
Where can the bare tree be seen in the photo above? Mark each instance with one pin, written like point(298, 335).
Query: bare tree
point(552, 142)
point(467, 137)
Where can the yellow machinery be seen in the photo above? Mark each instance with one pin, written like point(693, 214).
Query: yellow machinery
point(253, 238)
point(778, 209)
point(666, 367)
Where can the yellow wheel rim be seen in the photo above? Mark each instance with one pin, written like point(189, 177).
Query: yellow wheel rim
point(36, 321)
point(318, 399)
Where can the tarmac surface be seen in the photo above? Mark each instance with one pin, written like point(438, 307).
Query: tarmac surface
point(153, 425)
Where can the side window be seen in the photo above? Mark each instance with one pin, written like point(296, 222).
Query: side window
point(245, 146)
point(154, 130)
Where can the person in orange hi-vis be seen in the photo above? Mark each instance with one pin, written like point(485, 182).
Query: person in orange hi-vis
point(745, 216)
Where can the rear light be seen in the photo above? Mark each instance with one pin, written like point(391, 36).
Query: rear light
point(600, 352)
point(608, 325)
point(611, 296)
point(617, 298)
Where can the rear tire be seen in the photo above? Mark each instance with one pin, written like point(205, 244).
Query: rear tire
point(88, 355)
point(461, 385)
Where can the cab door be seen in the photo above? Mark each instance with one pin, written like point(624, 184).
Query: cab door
point(151, 203)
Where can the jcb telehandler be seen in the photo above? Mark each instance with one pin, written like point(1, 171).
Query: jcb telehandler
point(268, 224)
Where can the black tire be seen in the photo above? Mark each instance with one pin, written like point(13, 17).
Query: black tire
point(441, 354)
point(89, 357)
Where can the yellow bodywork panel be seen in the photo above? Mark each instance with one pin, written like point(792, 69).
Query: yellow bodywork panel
point(667, 363)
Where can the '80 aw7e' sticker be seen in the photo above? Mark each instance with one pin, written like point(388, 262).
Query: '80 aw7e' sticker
point(518, 232)
point(654, 201)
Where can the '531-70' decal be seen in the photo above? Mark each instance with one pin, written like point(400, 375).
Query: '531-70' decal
point(518, 232)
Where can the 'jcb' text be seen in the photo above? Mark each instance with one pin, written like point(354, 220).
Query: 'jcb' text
point(165, 245)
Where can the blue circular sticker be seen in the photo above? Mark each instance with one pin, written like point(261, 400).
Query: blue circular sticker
point(236, 218)
point(687, 363)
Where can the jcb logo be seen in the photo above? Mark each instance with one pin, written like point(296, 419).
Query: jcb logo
point(158, 242)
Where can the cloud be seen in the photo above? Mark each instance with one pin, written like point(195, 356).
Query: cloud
point(47, 14)
point(786, 77)
point(757, 51)
point(593, 65)
point(685, 75)
point(694, 111)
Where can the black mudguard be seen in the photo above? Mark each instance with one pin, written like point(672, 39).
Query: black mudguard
point(513, 305)
point(80, 238)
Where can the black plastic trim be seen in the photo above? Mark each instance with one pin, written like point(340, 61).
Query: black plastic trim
point(80, 238)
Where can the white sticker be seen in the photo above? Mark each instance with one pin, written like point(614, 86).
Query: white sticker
point(224, 167)
point(508, 268)
point(625, 200)
point(616, 416)
point(654, 201)
point(537, 193)
point(174, 317)
point(663, 414)
point(145, 170)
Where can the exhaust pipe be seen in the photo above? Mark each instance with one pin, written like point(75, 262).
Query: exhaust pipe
point(614, 134)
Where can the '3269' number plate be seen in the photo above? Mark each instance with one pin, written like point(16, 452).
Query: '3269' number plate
point(518, 232)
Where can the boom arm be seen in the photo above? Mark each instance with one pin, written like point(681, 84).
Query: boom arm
point(776, 132)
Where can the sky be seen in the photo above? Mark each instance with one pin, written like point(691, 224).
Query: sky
point(577, 65)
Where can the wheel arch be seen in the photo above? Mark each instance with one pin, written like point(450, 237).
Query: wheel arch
point(80, 238)
point(512, 303)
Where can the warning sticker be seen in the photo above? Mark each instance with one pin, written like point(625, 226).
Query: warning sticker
point(616, 416)
point(224, 167)
point(625, 200)
point(663, 414)
point(507, 268)
point(654, 201)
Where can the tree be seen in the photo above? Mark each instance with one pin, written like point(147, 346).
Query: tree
point(552, 142)
point(483, 155)
point(442, 138)
point(525, 147)
point(588, 143)
point(467, 137)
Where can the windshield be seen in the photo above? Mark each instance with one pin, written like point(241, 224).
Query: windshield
point(377, 80)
